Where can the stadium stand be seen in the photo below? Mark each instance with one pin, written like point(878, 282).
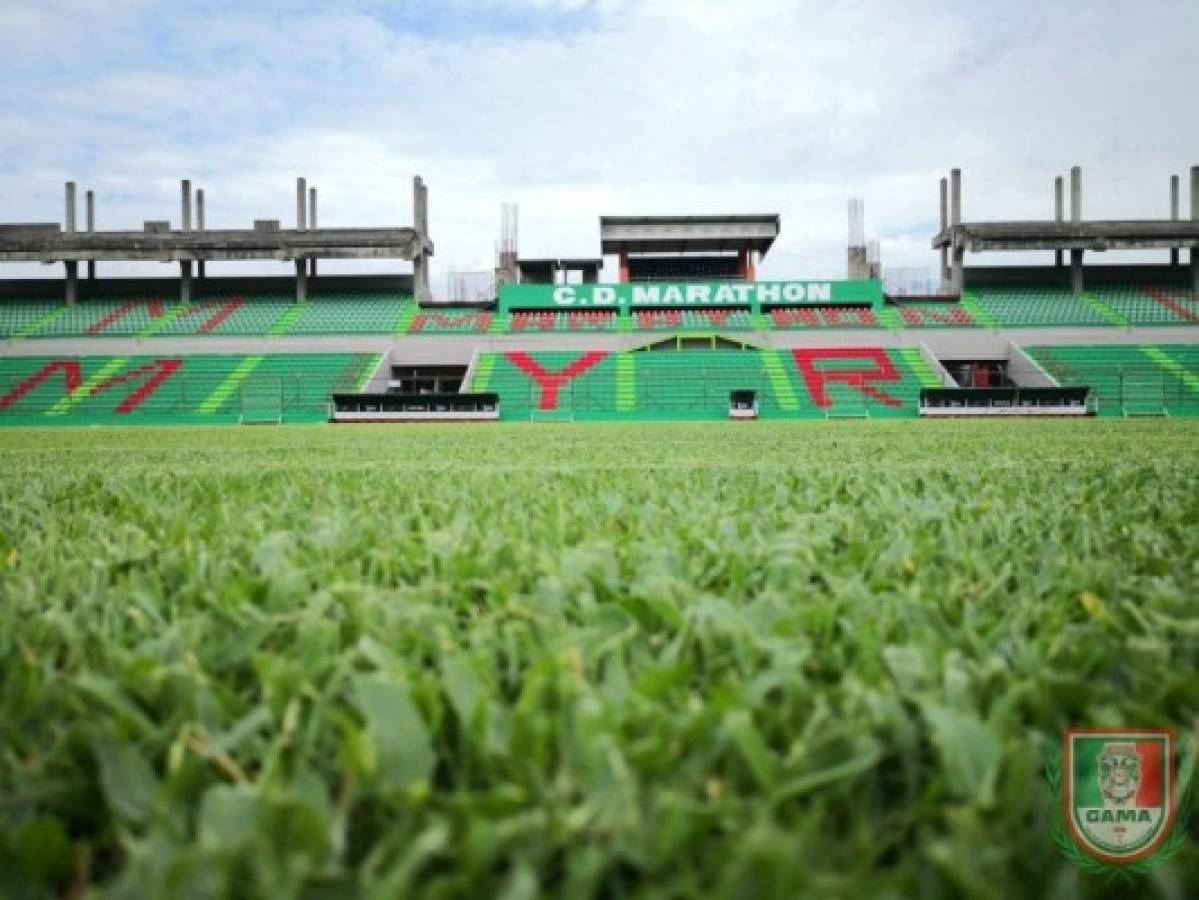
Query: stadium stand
point(379, 313)
point(824, 317)
point(1024, 306)
point(692, 320)
point(696, 384)
point(579, 320)
point(451, 321)
point(1129, 379)
point(173, 390)
point(237, 314)
point(348, 313)
point(1150, 305)
point(934, 314)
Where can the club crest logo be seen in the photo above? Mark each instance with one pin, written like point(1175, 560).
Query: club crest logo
point(1119, 798)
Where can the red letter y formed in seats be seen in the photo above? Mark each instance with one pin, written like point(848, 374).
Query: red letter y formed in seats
point(549, 382)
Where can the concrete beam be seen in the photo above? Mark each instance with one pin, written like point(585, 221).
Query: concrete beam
point(1059, 211)
point(90, 207)
point(39, 243)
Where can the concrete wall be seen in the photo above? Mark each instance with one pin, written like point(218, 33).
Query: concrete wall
point(54, 288)
point(1026, 371)
point(1049, 276)
point(945, 343)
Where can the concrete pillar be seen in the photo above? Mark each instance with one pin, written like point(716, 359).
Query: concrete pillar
point(185, 281)
point(1075, 194)
point(200, 225)
point(185, 225)
point(1195, 218)
point(1059, 211)
point(312, 222)
point(420, 216)
point(90, 207)
point(72, 281)
point(301, 281)
point(955, 219)
point(1076, 279)
point(69, 220)
point(301, 205)
point(944, 276)
point(1174, 215)
point(301, 225)
point(185, 205)
point(72, 273)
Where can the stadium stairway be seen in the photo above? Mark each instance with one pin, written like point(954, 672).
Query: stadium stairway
point(1129, 379)
point(176, 390)
point(695, 384)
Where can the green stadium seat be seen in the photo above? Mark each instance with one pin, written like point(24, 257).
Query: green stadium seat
point(1027, 306)
point(247, 314)
point(1150, 305)
point(1127, 378)
point(695, 384)
point(176, 389)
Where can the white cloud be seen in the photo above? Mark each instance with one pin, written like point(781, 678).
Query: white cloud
point(652, 106)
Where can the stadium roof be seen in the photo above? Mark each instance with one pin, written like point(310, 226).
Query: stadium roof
point(688, 234)
point(47, 242)
point(1048, 235)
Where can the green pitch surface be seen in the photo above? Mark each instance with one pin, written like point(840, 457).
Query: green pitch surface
point(592, 661)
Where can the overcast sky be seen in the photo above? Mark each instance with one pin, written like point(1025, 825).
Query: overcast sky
point(575, 109)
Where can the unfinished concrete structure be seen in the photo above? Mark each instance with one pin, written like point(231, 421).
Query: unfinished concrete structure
point(682, 248)
point(50, 242)
point(1076, 235)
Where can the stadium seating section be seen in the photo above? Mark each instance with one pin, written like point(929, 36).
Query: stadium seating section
point(563, 321)
point(382, 313)
point(1129, 379)
point(234, 314)
point(172, 390)
point(695, 384)
point(1148, 305)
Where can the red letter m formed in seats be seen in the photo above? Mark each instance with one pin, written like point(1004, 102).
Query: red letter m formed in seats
point(151, 376)
point(71, 376)
point(550, 382)
point(859, 379)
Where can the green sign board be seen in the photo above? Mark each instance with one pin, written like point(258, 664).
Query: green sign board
point(690, 295)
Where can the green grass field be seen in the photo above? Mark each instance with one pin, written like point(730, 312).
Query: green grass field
point(679, 661)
